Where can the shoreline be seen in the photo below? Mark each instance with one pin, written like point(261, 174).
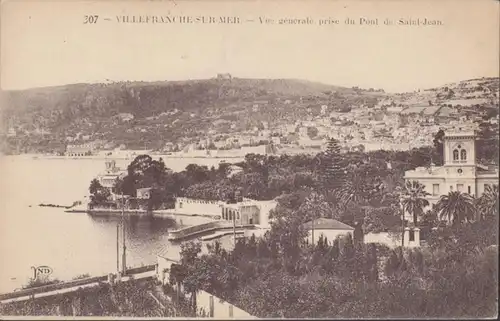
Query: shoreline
point(97, 157)
point(137, 212)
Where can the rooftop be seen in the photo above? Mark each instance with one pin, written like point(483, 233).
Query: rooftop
point(460, 133)
point(327, 224)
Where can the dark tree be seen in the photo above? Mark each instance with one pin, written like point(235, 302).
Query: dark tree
point(438, 147)
point(333, 171)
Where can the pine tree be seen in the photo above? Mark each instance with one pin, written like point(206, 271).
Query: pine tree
point(333, 170)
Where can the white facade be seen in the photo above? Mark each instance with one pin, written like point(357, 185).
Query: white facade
point(249, 212)
point(329, 234)
point(143, 193)
point(111, 174)
point(195, 206)
point(460, 171)
point(327, 228)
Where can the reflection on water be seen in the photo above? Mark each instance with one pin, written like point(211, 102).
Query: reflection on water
point(70, 243)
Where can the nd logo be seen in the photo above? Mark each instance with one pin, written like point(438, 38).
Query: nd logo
point(41, 273)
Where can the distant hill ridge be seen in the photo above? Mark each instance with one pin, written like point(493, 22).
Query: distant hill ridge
point(140, 97)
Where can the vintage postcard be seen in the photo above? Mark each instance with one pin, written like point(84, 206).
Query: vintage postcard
point(249, 159)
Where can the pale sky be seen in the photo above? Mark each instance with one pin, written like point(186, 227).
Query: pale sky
point(45, 43)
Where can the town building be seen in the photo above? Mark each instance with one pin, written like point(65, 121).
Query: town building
point(79, 150)
point(460, 171)
point(327, 228)
point(234, 170)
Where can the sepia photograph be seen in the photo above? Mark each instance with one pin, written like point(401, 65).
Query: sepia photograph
point(249, 159)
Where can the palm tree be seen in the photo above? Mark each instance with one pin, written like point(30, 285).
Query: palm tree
point(457, 207)
point(487, 204)
point(354, 191)
point(414, 201)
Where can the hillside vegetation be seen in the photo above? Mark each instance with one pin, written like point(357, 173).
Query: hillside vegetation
point(165, 110)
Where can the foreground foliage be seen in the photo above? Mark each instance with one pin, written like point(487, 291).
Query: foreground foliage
point(280, 275)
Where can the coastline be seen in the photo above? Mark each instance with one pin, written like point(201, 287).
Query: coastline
point(137, 212)
point(116, 157)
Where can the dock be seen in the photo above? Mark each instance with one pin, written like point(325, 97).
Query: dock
point(192, 231)
point(220, 234)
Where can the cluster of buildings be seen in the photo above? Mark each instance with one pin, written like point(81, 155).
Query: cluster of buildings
point(391, 124)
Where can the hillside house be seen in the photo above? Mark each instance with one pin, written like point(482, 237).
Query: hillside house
point(224, 76)
point(233, 170)
point(327, 228)
point(460, 171)
point(143, 193)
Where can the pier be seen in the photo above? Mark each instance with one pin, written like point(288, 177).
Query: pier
point(191, 231)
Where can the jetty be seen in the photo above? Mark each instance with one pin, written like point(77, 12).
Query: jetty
point(224, 227)
point(217, 235)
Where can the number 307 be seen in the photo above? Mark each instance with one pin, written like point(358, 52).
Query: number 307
point(90, 19)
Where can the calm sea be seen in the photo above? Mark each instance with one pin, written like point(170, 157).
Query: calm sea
point(71, 244)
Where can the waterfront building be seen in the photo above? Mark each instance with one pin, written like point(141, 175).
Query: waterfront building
point(79, 150)
point(460, 171)
point(186, 205)
point(249, 212)
point(110, 175)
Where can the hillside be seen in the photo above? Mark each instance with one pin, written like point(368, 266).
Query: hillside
point(148, 115)
point(164, 111)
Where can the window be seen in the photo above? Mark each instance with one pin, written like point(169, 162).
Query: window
point(451, 187)
point(463, 154)
point(455, 155)
point(435, 189)
point(469, 190)
point(412, 236)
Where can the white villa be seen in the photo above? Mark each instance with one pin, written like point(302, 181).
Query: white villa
point(460, 171)
point(110, 175)
point(328, 228)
